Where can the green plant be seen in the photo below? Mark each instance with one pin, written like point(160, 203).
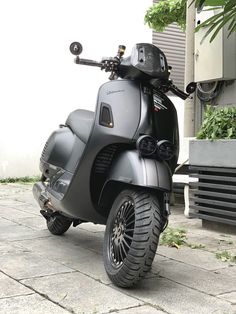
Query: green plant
point(196, 246)
point(227, 15)
point(218, 123)
point(165, 12)
point(226, 256)
point(26, 179)
point(173, 237)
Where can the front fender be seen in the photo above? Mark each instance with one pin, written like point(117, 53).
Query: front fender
point(132, 169)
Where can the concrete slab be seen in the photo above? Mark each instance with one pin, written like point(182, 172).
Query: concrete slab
point(196, 278)
point(81, 294)
point(35, 222)
point(231, 297)
point(60, 249)
point(92, 227)
point(145, 309)
point(228, 271)
point(33, 304)
point(10, 287)
point(6, 223)
point(178, 299)
point(71, 255)
point(26, 265)
point(70, 273)
point(198, 258)
point(86, 239)
point(17, 232)
point(13, 214)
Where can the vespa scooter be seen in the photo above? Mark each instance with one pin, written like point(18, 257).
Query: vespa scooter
point(114, 166)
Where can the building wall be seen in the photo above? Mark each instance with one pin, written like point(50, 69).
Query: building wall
point(40, 84)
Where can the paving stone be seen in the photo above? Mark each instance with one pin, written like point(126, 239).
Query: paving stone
point(86, 239)
point(198, 258)
point(145, 309)
point(231, 297)
point(59, 249)
point(174, 298)
point(196, 278)
point(229, 271)
point(70, 254)
point(17, 232)
point(213, 242)
point(81, 294)
point(35, 223)
point(33, 304)
point(9, 287)
point(6, 223)
point(26, 265)
point(13, 214)
point(92, 227)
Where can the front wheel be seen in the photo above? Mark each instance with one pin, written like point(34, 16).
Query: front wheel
point(131, 237)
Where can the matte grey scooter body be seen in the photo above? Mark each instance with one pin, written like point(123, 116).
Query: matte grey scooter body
point(114, 166)
point(83, 194)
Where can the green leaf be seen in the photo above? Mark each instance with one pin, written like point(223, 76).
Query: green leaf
point(218, 123)
point(220, 26)
point(214, 2)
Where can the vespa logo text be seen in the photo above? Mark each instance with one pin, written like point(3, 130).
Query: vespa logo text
point(115, 91)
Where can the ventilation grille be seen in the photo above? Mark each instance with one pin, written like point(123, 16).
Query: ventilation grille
point(214, 195)
point(104, 159)
point(43, 156)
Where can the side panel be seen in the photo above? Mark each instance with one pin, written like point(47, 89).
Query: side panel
point(132, 169)
point(124, 99)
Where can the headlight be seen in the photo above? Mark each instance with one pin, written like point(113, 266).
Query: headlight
point(146, 145)
point(165, 149)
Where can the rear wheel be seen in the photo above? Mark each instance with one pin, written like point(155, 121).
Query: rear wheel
point(58, 224)
point(131, 237)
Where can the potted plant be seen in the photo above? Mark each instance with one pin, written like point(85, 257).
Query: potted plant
point(215, 145)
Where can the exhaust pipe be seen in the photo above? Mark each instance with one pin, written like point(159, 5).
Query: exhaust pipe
point(40, 194)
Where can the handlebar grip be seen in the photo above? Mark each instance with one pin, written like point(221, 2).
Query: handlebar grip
point(87, 62)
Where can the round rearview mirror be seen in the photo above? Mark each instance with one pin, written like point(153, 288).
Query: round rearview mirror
point(76, 48)
point(191, 87)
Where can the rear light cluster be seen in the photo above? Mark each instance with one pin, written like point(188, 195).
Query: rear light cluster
point(150, 147)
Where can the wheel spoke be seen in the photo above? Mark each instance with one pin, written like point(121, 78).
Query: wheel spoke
point(130, 223)
point(130, 216)
point(123, 249)
point(127, 245)
point(121, 255)
point(128, 237)
point(129, 230)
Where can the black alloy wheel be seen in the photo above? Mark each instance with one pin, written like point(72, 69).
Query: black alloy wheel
point(131, 237)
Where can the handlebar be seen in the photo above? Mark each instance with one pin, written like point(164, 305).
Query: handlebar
point(112, 64)
point(89, 62)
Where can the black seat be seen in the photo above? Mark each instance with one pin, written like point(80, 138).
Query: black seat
point(81, 121)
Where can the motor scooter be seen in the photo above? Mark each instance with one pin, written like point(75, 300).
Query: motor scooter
point(114, 166)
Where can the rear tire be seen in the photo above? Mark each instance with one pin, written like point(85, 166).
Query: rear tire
point(131, 237)
point(58, 224)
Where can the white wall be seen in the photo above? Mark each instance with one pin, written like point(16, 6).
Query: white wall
point(39, 82)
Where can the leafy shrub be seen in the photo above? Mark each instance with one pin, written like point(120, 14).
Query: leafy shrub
point(163, 13)
point(218, 123)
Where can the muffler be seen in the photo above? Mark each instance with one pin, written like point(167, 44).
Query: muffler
point(40, 194)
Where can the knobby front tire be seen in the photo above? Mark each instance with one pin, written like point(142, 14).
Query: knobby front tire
point(131, 237)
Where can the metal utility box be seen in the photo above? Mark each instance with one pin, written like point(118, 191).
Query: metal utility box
point(216, 60)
